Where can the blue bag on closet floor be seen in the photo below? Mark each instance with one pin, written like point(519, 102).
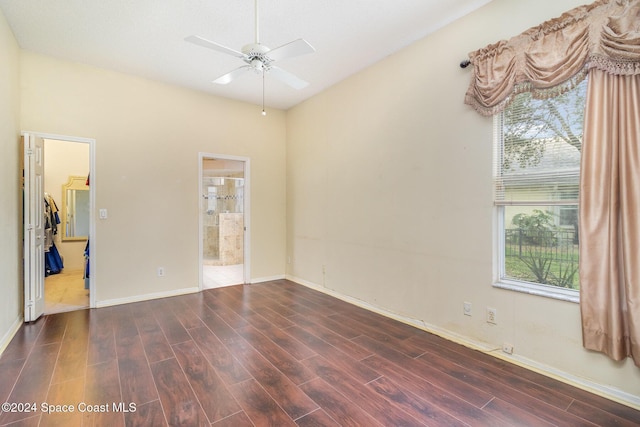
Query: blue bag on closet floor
point(52, 261)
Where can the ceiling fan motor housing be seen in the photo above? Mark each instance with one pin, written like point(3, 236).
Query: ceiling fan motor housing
point(256, 56)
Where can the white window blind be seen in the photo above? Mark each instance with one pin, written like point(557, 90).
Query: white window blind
point(537, 156)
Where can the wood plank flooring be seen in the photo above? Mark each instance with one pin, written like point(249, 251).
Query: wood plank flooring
point(270, 354)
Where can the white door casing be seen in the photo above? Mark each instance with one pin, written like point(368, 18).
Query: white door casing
point(34, 269)
point(246, 209)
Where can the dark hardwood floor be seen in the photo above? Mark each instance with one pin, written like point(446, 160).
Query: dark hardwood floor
point(271, 354)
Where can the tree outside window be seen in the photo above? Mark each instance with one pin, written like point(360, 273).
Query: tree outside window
point(536, 169)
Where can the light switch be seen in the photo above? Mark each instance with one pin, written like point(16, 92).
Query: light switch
point(103, 214)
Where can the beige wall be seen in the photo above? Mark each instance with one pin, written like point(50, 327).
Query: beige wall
point(388, 187)
point(389, 200)
point(11, 206)
point(62, 160)
point(148, 136)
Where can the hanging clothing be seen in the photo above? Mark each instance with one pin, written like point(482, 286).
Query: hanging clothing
point(51, 220)
point(52, 260)
point(86, 265)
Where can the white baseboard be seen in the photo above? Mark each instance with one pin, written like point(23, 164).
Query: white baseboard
point(8, 336)
point(607, 392)
point(146, 297)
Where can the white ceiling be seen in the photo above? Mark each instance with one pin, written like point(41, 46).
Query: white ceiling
point(146, 37)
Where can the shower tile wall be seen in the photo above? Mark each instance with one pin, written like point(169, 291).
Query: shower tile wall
point(211, 238)
point(223, 224)
point(231, 238)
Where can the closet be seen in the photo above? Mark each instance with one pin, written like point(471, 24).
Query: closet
point(66, 185)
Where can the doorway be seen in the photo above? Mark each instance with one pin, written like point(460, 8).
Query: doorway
point(67, 182)
point(65, 201)
point(224, 216)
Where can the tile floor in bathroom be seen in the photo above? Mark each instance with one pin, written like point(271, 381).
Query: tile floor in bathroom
point(222, 275)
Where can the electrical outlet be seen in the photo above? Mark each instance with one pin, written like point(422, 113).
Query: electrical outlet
point(507, 348)
point(491, 315)
point(466, 308)
point(160, 271)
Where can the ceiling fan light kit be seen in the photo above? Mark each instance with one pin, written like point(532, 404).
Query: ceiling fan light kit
point(259, 59)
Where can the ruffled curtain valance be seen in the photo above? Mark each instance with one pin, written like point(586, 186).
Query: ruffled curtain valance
point(552, 57)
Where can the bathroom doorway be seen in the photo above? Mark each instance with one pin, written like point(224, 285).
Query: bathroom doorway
point(223, 220)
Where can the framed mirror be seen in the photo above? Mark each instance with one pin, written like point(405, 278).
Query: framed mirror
point(75, 209)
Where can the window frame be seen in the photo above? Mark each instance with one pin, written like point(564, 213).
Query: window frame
point(500, 281)
point(549, 291)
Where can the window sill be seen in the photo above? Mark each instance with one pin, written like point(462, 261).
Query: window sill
point(570, 295)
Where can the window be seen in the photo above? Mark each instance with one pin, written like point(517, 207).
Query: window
point(536, 182)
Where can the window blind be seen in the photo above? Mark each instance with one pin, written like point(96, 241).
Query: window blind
point(537, 157)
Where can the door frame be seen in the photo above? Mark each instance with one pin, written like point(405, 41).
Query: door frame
point(247, 213)
point(92, 202)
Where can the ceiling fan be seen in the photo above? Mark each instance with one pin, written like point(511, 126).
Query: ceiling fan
point(259, 58)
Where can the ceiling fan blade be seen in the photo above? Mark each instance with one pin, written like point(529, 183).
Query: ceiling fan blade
point(232, 75)
point(213, 45)
point(291, 49)
point(287, 77)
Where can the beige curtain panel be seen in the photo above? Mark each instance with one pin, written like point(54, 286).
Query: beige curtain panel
point(553, 56)
point(610, 216)
point(601, 40)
